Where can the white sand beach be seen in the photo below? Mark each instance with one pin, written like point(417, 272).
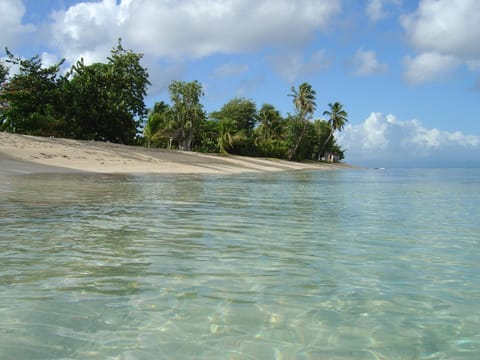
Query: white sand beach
point(21, 154)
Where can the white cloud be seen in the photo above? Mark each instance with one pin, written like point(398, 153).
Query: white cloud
point(230, 70)
point(11, 27)
point(49, 59)
point(446, 27)
point(385, 141)
point(365, 62)
point(428, 67)
point(188, 28)
point(294, 66)
point(445, 34)
point(87, 30)
point(376, 8)
point(162, 74)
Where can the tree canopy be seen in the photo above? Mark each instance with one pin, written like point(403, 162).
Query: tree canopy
point(187, 111)
point(337, 118)
point(102, 101)
point(31, 99)
point(3, 74)
point(304, 100)
point(106, 101)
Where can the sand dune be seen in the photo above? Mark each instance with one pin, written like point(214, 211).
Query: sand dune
point(32, 154)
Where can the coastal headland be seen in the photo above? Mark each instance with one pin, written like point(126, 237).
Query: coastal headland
point(23, 154)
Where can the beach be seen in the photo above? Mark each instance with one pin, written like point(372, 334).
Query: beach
point(23, 154)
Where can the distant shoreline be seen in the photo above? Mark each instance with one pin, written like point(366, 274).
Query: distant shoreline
point(24, 154)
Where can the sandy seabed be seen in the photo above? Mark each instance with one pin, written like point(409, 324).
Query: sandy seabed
point(22, 154)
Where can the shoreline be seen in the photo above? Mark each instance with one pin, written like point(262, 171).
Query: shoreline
point(25, 154)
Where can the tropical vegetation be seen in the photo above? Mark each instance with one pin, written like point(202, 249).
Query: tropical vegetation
point(106, 102)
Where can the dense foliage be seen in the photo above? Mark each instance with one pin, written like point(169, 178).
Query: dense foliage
point(97, 102)
point(187, 112)
point(105, 101)
point(31, 100)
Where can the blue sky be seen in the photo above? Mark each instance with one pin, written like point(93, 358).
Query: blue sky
point(407, 72)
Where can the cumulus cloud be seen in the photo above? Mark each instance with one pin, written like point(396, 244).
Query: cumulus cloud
point(445, 34)
point(376, 9)
point(365, 62)
point(161, 74)
point(189, 28)
point(88, 30)
point(11, 26)
point(385, 141)
point(49, 59)
point(428, 67)
point(295, 66)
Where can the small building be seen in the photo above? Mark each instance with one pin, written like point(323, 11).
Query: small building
point(332, 158)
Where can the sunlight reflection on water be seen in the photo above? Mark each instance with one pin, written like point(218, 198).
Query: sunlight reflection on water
point(307, 265)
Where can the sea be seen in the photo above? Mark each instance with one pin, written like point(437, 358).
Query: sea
point(343, 264)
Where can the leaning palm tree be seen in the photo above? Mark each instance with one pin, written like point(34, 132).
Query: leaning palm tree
point(151, 129)
point(337, 120)
point(228, 134)
point(304, 101)
point(158, 123)
point(270, 122)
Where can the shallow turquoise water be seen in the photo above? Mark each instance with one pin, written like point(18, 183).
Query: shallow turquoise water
point(296, 265)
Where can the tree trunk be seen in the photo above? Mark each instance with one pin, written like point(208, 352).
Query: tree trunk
point(323, 147)
point(187, 142)
point(294, 150)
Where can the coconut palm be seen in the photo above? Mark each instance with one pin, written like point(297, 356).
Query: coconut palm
point(151, 129)
point(270, 122)
point(304, 101)
point(158, 123)
point(228, 134)
point(187, 111)
point(337, 120)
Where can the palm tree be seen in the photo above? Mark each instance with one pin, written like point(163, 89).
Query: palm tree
point(157, 123)
point(304, 101)
point(187, 110)
point(337, 120)
point(270, 122)
point(228, 134)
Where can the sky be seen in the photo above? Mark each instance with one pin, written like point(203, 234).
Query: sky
point(407, 72)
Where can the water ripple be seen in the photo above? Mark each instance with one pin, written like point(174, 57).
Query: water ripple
point(347, 264)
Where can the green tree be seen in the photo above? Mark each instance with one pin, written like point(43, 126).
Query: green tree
point(187, 111)
point(244, 113)
point(3, 74)
point(271, 122)
point(158, 125)
point(106, 101)
point(31, 99)
point(3, 79)
point(338, 117)
point(208, 142)
point(269, 135)
point(88, 101)
point(130, 80)
point(228, 134)
point(305, 105)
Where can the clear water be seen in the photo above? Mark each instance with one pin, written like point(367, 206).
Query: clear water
point(296, 265)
